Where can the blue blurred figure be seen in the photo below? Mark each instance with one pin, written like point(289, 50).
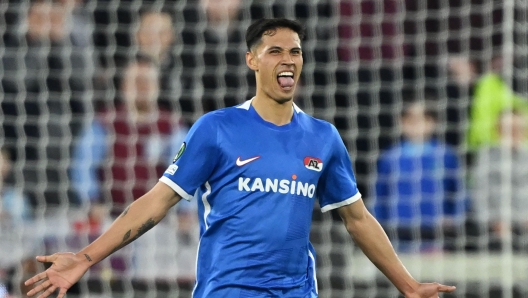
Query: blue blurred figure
point(419, 193)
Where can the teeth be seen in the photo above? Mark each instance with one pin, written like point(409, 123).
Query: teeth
point(286, 74)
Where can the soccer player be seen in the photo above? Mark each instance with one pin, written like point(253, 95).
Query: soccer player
point(256, 170)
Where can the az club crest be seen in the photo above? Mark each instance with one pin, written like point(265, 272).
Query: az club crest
point(313, 163)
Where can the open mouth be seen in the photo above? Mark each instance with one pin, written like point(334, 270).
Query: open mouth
point(285, 80)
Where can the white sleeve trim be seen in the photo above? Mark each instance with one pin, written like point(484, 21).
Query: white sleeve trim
point(176, 188)
point(348, 201)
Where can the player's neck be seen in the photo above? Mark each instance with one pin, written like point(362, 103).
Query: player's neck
point(272, 111)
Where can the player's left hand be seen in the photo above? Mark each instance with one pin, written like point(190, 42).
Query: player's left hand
point(430, 290)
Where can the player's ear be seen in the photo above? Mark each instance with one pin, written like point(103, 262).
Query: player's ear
point(251, 60)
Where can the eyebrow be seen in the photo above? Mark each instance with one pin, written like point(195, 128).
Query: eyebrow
point(279, 48)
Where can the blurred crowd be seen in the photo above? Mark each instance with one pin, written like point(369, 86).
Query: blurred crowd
point(97, 96)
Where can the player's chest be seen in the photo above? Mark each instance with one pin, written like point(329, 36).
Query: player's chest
point(294, 157)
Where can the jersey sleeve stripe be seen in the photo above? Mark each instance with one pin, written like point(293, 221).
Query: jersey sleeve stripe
point(176, 188)
point(314, 271)
point(207, 206)
point(348, 201)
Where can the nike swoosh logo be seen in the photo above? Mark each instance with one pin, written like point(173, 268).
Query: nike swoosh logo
point(245, 161)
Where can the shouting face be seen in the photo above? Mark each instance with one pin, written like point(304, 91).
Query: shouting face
point(277, 61)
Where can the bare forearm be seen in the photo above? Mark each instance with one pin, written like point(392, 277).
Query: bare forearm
point(136, 220)
point(373, 241)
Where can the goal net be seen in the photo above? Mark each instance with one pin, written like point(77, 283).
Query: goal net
point(428, 96)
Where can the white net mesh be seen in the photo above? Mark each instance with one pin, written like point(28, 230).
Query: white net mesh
point(442, 181)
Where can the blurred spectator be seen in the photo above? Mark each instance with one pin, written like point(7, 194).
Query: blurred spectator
point(125, 150)
point(115, 24)
point(492, 95)
point(500, 172)
point(120, 155)
point(214, 57)
point(155, 36)
point(17, 241)
point(419, 193)
point(46, 76)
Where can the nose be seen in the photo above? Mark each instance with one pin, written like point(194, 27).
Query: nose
point(287, 58)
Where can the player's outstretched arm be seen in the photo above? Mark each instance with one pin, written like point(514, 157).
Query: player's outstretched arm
point(373, 241)
point(138, 218)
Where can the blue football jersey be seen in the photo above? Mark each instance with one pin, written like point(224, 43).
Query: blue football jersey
point(256, 185)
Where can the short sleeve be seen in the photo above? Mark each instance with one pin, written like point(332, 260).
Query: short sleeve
point(195, 160)
point(337, 186)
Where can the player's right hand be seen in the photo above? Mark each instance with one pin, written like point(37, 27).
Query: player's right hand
point(66, 270)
